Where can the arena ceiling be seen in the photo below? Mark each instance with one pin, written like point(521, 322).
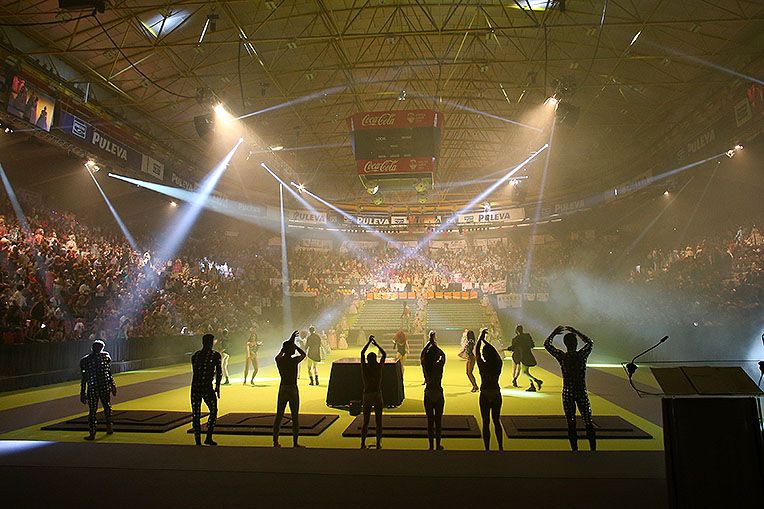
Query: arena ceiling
point(633, 76)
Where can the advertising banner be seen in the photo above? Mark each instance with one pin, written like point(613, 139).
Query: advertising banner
point(393, 166)
point(28, 102)
point(394, 119)
point(102, 144)
point(494, 216)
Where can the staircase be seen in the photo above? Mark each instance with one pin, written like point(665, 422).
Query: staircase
point(383, 320)
point(449, 318)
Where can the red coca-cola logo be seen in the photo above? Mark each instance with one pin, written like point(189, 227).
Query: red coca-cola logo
point(383, 119)
point(386, 166)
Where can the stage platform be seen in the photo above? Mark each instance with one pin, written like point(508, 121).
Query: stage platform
point(24, 413)
point(246, 469)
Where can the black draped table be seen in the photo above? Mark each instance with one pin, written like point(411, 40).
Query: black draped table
point(346, 384)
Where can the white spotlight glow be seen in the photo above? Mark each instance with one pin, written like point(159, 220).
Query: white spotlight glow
point(92, 166)
point(552, 101)
point(276, 148)
point(634, 39)
point(173, 204)
point(222, 113)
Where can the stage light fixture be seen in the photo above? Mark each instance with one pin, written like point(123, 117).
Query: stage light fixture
point(92, 166)
point(420, 186)
point(402, 95)
point(373, 188)
point(222, 113)
point(552, 101)
point(378, 200)
point(738, 147)
point(487, 206)
point(173, 204)
point(730, 153)
point(666, 192)
point(421, 198)
point(276, 148)
point(634, 39)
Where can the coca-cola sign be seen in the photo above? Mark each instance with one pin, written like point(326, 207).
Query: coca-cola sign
point(378, 120)
point(384, 166)
point(395, 165)
point(406, 119)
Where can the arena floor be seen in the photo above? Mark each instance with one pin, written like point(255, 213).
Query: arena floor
point(24, 413)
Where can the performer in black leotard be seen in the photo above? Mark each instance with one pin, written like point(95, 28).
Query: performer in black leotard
point(522, 356)
point(573, 366)
point(97, 384)
point(401, 348)
point(433, 360)
point(206, 364)
point(371, 371)
point(489, 365)
point(288, 363)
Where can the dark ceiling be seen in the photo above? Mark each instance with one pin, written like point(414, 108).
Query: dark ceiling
point(477, 62)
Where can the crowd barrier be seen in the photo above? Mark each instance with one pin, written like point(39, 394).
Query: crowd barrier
point(33, 364)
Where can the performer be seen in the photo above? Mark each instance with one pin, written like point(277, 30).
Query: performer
point(206, 364)
point(489, 365)
point(288, 360)
point(522, 356)
point(313, 348)
point(252, 346)
point(96, 384)
point(401, 348)
point(433, 359)
point(406, 317)
point(469, 353)
point(573, 366)
point(371, 371)
point(301, 341)
point(223, 349)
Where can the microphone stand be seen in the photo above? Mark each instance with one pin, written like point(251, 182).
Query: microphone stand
point(631, 367)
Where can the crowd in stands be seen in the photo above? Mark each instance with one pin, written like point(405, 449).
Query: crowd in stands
point(61, 280)
point(64, 280)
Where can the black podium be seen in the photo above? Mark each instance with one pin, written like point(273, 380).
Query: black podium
point(712, 437)
point(346, 384)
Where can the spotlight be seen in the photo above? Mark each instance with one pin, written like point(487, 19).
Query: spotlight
point(210, 25)
point(92, 166)
point(487, 206)
point(666, 192)
point(421, 198)
point(402, 95)
point(634, 39)
point(738, 147)
point(730, 153)
point(373, 188)
point(378, 200)
point(300, 187)
point(173, 204)
point(276, 148)
point(222, 113)
point(552, 101)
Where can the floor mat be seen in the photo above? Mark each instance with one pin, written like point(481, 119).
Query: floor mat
point(141, 421)
point(415, 426)
point(555, 426)
point(262, 424)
